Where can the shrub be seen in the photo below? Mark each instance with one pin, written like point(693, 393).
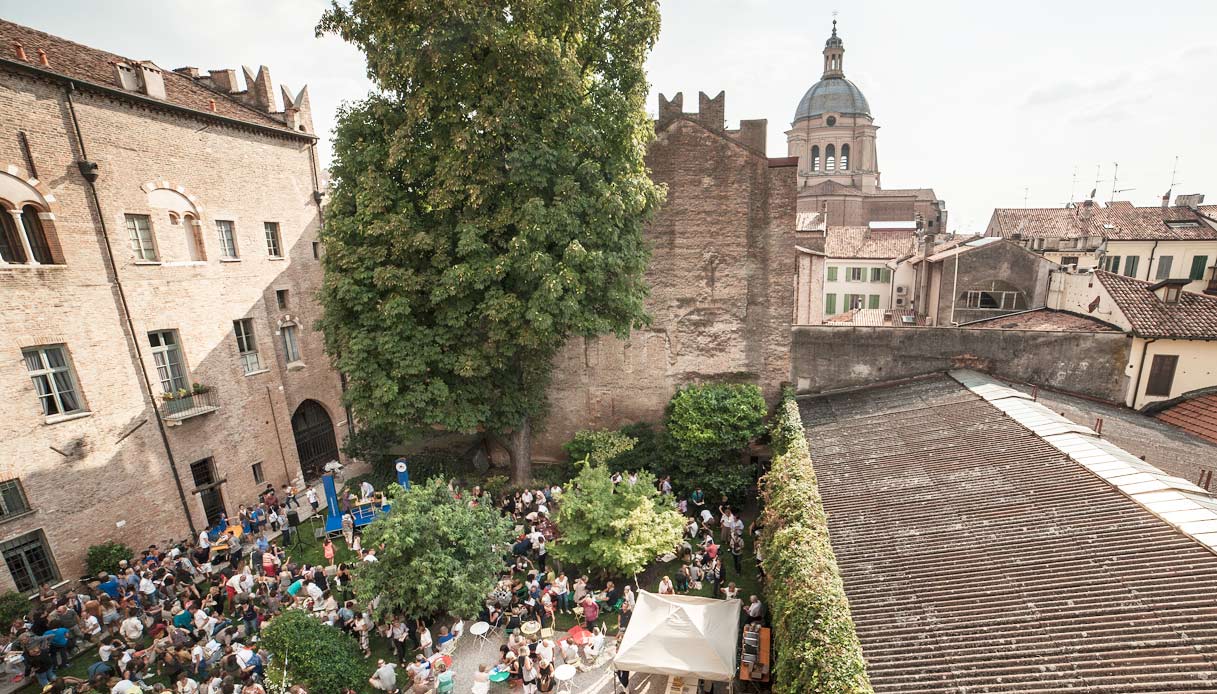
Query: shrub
point(600, 446)
point(106, 556)
point(708, 427)
point(13, 605)
point(317, 655)
point(817, 645)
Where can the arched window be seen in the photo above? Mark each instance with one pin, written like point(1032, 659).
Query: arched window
point(36, 234)
point(845, 157)
point(11, 250)
point(830, 159)
point(815, 157)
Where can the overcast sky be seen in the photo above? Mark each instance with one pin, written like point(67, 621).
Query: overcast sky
point(988, 103)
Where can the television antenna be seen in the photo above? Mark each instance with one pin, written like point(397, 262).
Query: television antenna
point(1174, 181)
point(1098, 173)
point(1026, 192)
point(1115, 178)
point(1073, 186)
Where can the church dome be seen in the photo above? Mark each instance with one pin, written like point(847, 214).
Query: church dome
point(832, 95)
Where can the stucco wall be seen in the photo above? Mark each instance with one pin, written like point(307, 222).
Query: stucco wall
point(828, 357)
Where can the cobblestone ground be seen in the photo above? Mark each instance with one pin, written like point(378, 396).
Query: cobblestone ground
point(472, 651)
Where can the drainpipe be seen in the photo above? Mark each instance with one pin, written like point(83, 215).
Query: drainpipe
point(88, 170)
point(954, 290)
point(1140, 372)
point(1150, 265)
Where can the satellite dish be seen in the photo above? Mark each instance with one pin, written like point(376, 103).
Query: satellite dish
point(401, 466)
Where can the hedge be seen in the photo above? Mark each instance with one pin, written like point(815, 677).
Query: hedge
point(320, 656)
point(816, 644)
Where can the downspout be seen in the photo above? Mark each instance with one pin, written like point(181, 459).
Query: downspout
point(342, 379)
point(954, 289)
point(86, 168)
point(1150, 265)
point(1140, 372)
point(270, 401)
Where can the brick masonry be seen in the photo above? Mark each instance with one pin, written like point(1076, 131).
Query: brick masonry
point(107, 475)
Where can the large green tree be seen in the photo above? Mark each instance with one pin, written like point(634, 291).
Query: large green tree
point(434, 553)
point(615, 530)
point(488, 203)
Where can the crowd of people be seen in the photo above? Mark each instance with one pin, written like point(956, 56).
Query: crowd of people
point(190, 615)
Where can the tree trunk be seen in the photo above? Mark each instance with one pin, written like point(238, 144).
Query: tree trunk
point(519, 448)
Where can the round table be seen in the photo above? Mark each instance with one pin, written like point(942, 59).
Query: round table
point(498, 675)
point(564, 674)
point(530, 629)
point(438, 657)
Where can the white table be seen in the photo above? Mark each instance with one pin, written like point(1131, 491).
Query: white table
point(480, 630)
point(564, 673)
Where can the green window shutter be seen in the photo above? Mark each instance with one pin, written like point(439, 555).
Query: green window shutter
point(832, 275)
point(1130, 265)
point(875, 274)
point(1198, 264)
point(830, 303)
point(886, 275)
point(873, 301)
point(1164, 267)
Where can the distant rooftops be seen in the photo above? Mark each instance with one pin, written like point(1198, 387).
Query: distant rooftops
point(1194, 316)
point(1118, 221)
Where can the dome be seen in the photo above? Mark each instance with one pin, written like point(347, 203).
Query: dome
point(832, 95)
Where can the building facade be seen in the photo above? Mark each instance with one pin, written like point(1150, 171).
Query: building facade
point(160, 260)
point(835, 138)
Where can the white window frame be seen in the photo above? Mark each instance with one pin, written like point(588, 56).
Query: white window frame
point(143, 241)
point(274, 240)
point(226, 232)
point(51, 378)
point(247, 345)
point(168, 371)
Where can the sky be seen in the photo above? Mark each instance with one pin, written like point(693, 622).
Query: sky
point(991, 104)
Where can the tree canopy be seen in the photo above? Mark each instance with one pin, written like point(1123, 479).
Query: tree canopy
point(617, 531)
point(488, 203)
point(435, 553)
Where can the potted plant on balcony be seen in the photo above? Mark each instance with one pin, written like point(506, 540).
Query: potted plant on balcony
point(177, 401)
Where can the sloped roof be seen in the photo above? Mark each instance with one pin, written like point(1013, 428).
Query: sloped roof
point(1044, 319)
point(1119, 221)
point(810, 221)
point(1195, 316)
point(91, 65)
point(1195, 415)
point(866, 243)
point(830, 187)
point(980, 555)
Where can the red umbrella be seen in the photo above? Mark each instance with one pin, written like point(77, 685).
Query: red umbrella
point(438, 657)
point(578, 634)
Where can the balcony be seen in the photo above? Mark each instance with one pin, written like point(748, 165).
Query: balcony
point(177, 408)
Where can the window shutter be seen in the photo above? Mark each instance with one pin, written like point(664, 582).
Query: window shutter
point(1198, 264)
point(873, 301)
point(832, 274)
point(1161, 374)
point(830, 304)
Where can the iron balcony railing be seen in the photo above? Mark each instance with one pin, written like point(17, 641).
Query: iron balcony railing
point(186, 404)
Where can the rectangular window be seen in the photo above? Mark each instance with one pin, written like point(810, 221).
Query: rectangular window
point(876, 274)
point(872, 301)
point(228, 239)
point(830, 304)
point(281, 298)
point(885, 276)
point(291, 348)
point(139, 229)
point(1068, 260)
point(1130, 265)
point(167, 355)
point(1164, 267)
point(832, 274)
point(856, 274)
point(853, 301)
point(53, 380)
point(1112, 264)
point(274, 247)
point(29, 561)
point(1198, 265)
point(259, 476)
point(12, 499)
point(1162, 375)
point(316, 250)
point(247, 347)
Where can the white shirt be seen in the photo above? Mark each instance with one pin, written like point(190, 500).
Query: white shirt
point(124, 686)
point(204, 541)
point(311, 495)
point(366, 489)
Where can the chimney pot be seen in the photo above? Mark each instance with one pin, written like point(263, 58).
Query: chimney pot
point(212, 104)
point(20, 51)
point(42, 59)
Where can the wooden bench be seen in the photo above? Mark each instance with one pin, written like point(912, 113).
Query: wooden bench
point(760, 671)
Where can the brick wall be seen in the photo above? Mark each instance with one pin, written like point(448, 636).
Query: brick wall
point(107, 475)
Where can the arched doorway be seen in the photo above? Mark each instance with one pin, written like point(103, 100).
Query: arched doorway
point(315, 442)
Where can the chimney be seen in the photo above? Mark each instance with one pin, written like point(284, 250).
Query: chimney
point(42, 59)
point(672, 109)
point(191, 72)
point(152, 79)
point(1086, 210)
point(19, 50)
point(923, 276)
point(126, 77)
point(1166, 200)
point(223, 80)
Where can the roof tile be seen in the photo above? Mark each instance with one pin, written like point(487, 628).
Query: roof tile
point(1195, 316)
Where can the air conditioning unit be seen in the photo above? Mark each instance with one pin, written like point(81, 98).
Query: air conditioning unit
point(899, 301)
point(902, 290)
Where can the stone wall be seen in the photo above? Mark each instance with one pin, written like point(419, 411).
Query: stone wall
point(722, 278)
point(1000, 265)
point(105, 474)
point(1087, 363)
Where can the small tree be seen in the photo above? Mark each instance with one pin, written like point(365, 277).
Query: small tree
point(316, 654)
point(13, 605)
point(708, 426)
point(435, 553)
point(106, 557)
point(599, 446)
point(618, 531)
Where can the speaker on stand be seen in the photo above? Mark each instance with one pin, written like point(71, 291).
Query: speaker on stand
point(292, 530)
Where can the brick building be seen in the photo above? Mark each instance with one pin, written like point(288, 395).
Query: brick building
point(721, 277)
point(159, 231)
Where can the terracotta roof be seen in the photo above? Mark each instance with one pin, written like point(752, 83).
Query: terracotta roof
point(1044, 319)
point(887, 317)
point(1119, 221)
point(809, 221)
point(1195, 316)
point(979, 557)
point(1196, 415)
point(863, 242)
point(830, 187)
point(91, 65)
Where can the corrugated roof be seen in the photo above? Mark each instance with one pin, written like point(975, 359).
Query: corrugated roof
point(978, 556)
point(85, 64)
point(865, 243)
point(1195, 316)
point(1117, 222)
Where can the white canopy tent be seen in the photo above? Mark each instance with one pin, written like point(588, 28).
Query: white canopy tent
point(681, 635)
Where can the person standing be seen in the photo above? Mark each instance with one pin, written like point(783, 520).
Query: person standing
point(737, 549)
point(311, 495)
point(328, 550)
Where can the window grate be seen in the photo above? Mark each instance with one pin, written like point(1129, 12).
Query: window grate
point(29, 561)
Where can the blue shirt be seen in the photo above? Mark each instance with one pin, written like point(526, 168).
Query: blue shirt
point(263, 545)
point(59, 637)
point(110, 588)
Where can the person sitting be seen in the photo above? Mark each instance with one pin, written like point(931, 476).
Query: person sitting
point(445, 637)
